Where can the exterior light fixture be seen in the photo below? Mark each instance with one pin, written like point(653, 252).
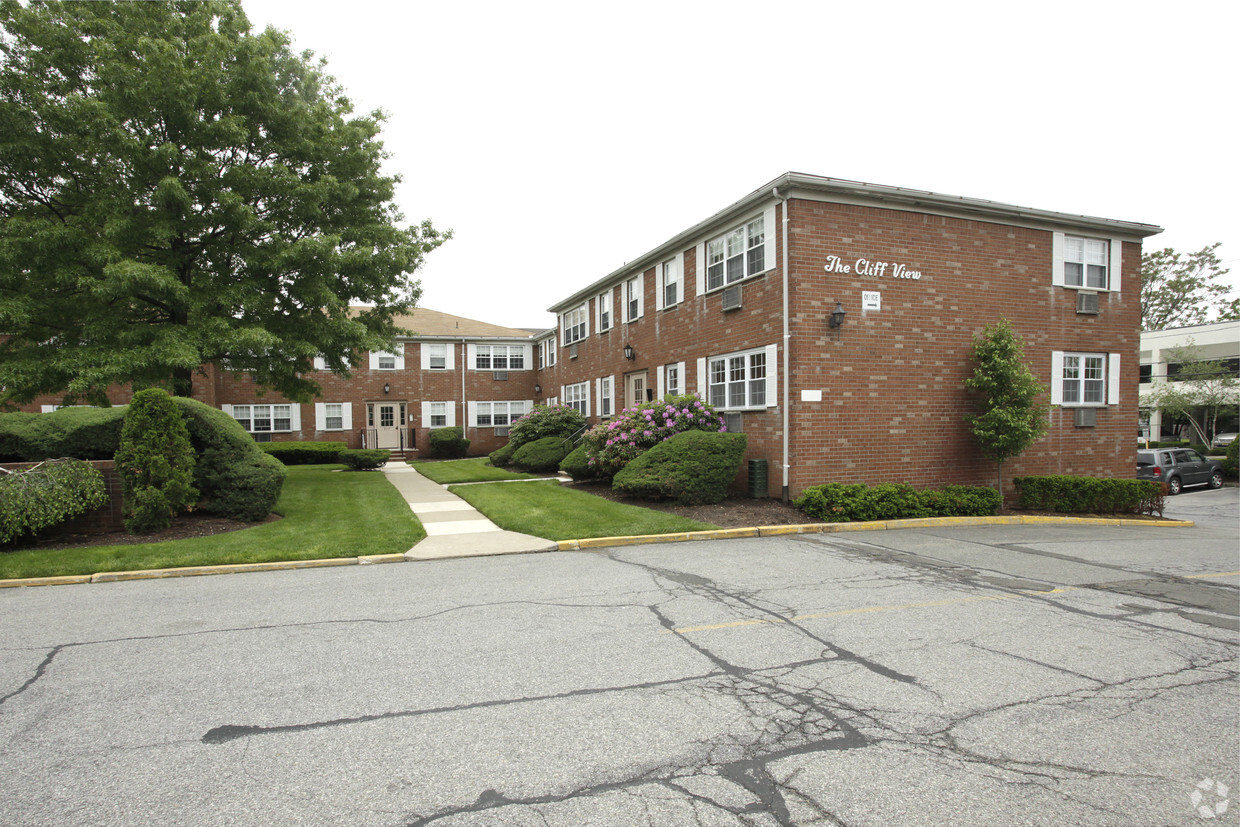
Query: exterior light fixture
point(386, 387)
point(836, 320)
point(538, 389)
point(628, 352)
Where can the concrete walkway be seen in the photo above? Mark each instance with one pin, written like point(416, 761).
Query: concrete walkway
point(454, 528)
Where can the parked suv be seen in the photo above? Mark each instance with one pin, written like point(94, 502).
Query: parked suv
point(1179, 467)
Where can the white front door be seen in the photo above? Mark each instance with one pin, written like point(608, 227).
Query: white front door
point(387, 425)
point(634, 389)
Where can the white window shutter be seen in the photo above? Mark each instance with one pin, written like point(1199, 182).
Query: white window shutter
point(320, 363)
point(598, 392)
point(346, 416)
point(294, 417)
point(658, 286)
point(1057, 377)
point(561, 391)
point(641, 294)
point(772, 375)
point(472, 412)
point(320, 416)
point(1117, 263)
point(680, 377)
point(701, 378)
point(400, 356)
point(426, 414)
point(471, 356)
point(700, 275)
point(374, 360)
point(449, 362)
point(1112, 378)
point(768, 237)
point(528, 356)
point(614, 397)
point(425, 350)
point(225, 408)
point(660, 388)
point(1057, 259)
point(450, 415)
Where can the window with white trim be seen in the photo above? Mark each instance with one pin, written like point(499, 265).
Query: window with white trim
point(1085, 262)
point(671, 374)
point(670, 277)
point(604, 311)
point(738, 380)
point(438, 356)
point(736, 255)
point(259, 419)
point(333, 416)
point(606, 393)
point(438, 414)
point(577, 397)
point(1084, 379)
point(386, 361)
point(491, 414)
point(499, 357)
point(632, 298)
point(575, 325)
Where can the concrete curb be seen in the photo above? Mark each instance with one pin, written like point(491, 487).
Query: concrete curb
point(878, 525)
point(596, 543)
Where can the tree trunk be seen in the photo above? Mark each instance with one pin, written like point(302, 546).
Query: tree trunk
point(182, 382)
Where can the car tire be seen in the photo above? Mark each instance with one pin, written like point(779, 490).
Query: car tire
point(1174, 486)
point(1216, 479)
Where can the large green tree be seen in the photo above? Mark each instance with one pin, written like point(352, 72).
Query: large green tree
point(1009, 416)
point(178, 191)
point(1202, 390)
point(1179, 290)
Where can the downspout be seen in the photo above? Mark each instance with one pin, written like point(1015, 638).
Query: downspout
point(464, 401)
point(787, 337)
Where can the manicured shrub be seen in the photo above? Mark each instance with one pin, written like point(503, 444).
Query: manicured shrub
point(837, 502)
point(541, 455)
point(82, 433)
point(46, 495)
point(365, 459)
point(155, 462)
point(1231, 460)
point(304, 453)
point(545, 421)
point(500, 457)
point(612, 445)
point(236, 479)
point(577, 464)
point(448, 443)
point(1093, 495)
point(692, 468)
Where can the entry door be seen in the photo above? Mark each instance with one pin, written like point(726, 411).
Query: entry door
point(634, 389)
point(387, 425)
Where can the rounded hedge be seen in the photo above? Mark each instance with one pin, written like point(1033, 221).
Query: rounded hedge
point(448, 443)
point(542, 455)
point(692, 468)
point(500, 457)
point(155, 462)
point(577, 464)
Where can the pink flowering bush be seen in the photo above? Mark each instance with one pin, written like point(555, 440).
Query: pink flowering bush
point(612, 445)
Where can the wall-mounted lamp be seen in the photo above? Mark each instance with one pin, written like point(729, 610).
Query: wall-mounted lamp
point(386, 387)
point(628, 352)
point(538, 389)
point(836, 320)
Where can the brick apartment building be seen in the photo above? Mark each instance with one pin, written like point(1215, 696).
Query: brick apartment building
point(830, 320)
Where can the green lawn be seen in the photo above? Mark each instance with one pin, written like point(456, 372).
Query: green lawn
point(545, 509)
point(476, 469)
point(327, 513)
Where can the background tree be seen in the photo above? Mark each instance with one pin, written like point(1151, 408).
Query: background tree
point(176, 191)
point(1009, 415)
point(1203, 389)
point(1179, 290)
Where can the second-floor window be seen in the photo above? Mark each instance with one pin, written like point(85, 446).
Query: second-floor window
point(575, 325)
point(500, 357)
point(736, 255)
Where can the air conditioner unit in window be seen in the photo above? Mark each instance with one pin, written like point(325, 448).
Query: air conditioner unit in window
point(734, 423)
point(1087, 303)
point(572, 352)
point(500, 376)
point(501, 430)
point(1086, 417)
point(732, 298)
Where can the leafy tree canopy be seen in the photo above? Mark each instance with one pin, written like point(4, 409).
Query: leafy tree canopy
point(1179, 290)
point(177, 191)
point(1009, 416)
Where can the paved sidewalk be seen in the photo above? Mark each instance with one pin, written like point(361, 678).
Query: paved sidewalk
point(454, 528)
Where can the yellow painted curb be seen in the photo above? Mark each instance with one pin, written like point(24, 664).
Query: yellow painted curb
point(238, 568)
point(67, 580)
point(371, 559)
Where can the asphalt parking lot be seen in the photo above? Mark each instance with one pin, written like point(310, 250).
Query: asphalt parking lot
point(987, 675)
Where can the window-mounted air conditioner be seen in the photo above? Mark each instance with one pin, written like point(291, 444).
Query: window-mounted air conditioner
point(1086, 417)
point(501, 430)
point(1087, 303)
point(572, 352)
point(500, 376)
point(732, 298)
point(734, 423)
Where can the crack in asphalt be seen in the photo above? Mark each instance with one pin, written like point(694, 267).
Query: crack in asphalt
point(38, 673)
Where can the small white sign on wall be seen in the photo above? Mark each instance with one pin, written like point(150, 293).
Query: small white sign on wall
point(871, 300)
point(811, 396)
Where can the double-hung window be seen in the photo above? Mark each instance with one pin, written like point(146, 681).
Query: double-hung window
point(738, 380)
point(737, 254)
point(604, 311)
point(671, 375)
point(1085, 379)
point(1086, 263)
point(546, 353)
point(438, 358)
point(439, 414)
point(499, 357)
point(491, 414)
point(633, 289)
point(333, 416)
point(670, 273)
point(575, 325)
point(606, 393)
point(261, 419)
point(577, 397)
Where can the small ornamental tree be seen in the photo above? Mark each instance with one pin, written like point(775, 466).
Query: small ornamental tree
point(155, 461)
point(1009, 415)
point(612, 445)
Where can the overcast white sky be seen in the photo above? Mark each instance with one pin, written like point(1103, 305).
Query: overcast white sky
point(560, 140)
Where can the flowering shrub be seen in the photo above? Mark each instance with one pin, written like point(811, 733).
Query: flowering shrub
point(612, 445)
